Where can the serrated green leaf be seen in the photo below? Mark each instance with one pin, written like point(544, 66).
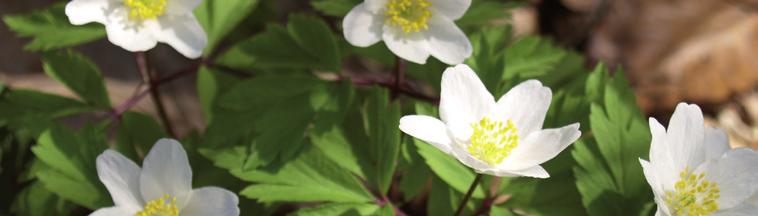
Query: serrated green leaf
point(50, 29)
point(482, 12)
point(218, 18)
point(35, 200)
point(342, 209)
point(337, 8)
point(77, 73)
point(315, 36)
point(309, 177)
point(381, 119)
point(137, 133)
point(280, 47)
point(609, 175)
point(71, 161)
point(211, 83)
point(530, 57)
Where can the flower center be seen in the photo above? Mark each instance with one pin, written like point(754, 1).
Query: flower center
point(145, 9)
point(492, 141)
point(164, 206)
point(693, 195)
point(410, 15)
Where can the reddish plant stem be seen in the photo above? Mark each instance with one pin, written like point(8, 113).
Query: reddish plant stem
point(399, 77)
point(471, 189)
point(149, 77)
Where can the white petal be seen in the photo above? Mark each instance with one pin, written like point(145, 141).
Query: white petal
point(716, 143)
point(166, 171)
point(463, 100)
point(80, 12)
point(409, 46)
point(660, 155)
point(361, 27)
point(121, 177)
point(114, 211)
point(179, 7)
point(453, 9)
point(428, 129)
point(650, 176)
point(541, 146)
point(740, 210)
point(446, 41)
point(526, 105)
point(734, 172)
point(685, 136)
point(183, 33)
point(534, 172)
point(212, 201)
point(375, 6)
point(127, 34)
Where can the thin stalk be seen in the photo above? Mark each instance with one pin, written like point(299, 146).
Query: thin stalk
point(399, 77)
point(468, 194)
point(149, 77)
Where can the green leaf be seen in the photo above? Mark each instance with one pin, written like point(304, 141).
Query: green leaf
point(71, 161)
point(137, 133)
point(482, 12)
point(444, 200)
point(211, 83)
point(381, 119)
point(343, 209)
point(35, 200)
point(530, 57)
point(309, 177)
point(79, 74)
point(609, 176)
point(50, 29)
point(28, 113)
point(337, 8)
point(218, 18)
point(487, 60)
point(415, 174)
point(316, 37)
point(306, 42)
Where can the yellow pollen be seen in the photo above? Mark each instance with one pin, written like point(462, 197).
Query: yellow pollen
point(164, 206)
point(693, 195)
point(145, 9)
point(410, 15)
point(493, 141)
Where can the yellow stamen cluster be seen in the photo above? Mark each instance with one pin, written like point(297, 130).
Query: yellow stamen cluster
point(164, 206)
point(410, 15)
point(693, 195)
point(492, 141)
point(145, 9)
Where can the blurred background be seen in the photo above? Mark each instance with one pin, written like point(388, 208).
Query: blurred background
point(701, 52)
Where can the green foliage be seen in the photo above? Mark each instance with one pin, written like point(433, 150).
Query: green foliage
point(218, 18)
point(50, 29)
point(306, 42)
point(300, 122)
point(309, 177)
point(79, 74)
point(338, 8)
point(609, 176)
point(137, 133)
point(380, 121)
point(69, 165)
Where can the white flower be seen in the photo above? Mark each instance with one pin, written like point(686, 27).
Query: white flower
point(162, 187)
point(137, 25)
point(692, 171)
point(503, 138)
point(412, 29)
